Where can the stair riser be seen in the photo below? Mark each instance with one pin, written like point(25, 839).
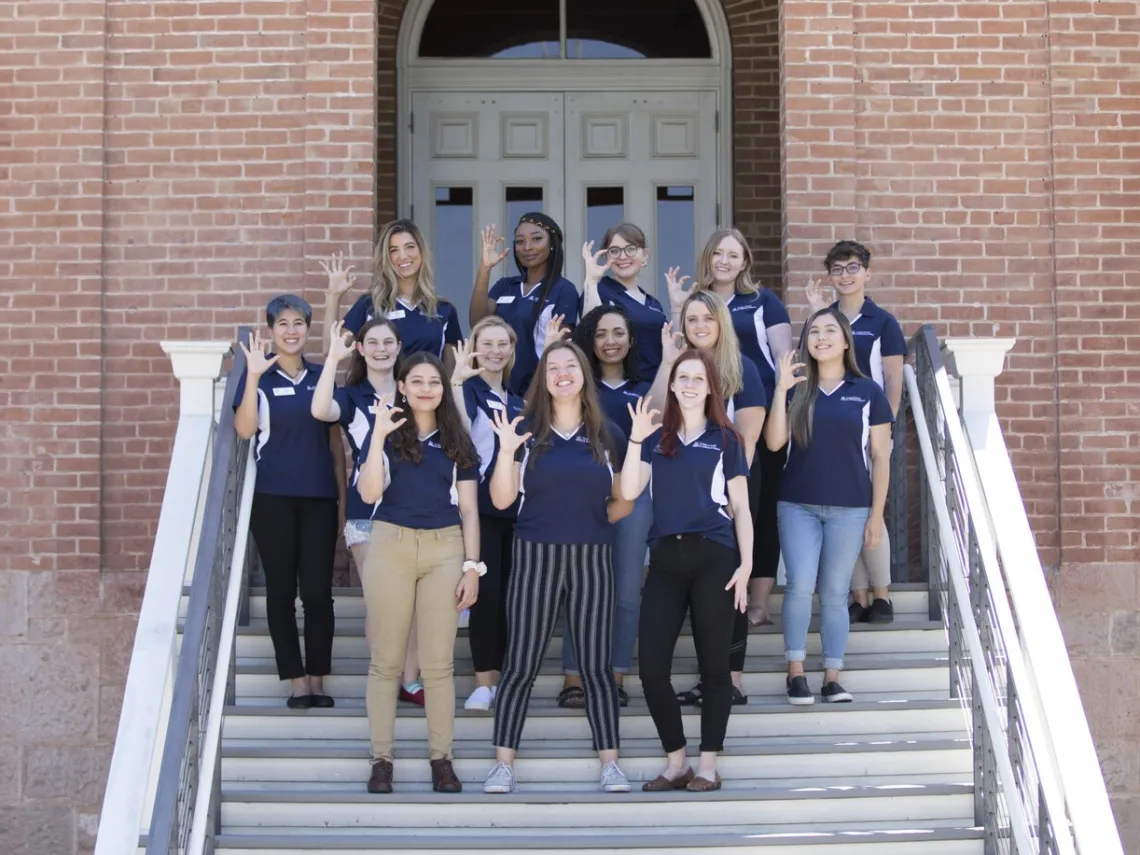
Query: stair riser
point(843, 846)
point(808, 723)
point(515, 813)
point(823, 765)
point(901, 681)
point(759, 644)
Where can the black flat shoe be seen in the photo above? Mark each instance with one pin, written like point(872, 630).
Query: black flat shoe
point(623, 697)
point(691, 698)
point(322, 701)
point(299, 702)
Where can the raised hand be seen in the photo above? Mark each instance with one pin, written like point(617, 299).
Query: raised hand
point(340, 343)
point(257, 358)
point(642, 425)
point(738, 584)
point(786, 377)
point(595, 269)
point(465, 368)
point(671, 344)
point(507, 431)
point(341, 278)
point(816, 293)
point(386, 421)
point(676, 287)
point(493, 249)
point(555, 332)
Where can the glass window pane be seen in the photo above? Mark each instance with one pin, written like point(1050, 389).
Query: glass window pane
point(491, 28)
point(675, 245)
point(657, 29)
point(520, 200)
point(605, 207)
point(453, 240)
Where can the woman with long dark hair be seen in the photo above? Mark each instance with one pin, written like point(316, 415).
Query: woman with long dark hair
point(529, 300)
point(836, 425)
point(700, 556)
point(564, 463)
point(419, 474)
point(403, 289)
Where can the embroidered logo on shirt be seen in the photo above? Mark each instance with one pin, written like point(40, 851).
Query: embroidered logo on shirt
point(853, 398)
point(707, 445)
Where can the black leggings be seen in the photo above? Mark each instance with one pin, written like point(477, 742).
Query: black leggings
point(687, 573)
point(763, 492)
point(296, 538)
point(487, 629)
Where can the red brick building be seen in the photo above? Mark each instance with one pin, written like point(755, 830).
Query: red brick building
point(165, 166)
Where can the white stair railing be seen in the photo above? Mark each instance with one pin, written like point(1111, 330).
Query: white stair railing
point(1038, 784)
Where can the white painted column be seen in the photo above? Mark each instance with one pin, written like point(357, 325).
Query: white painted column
point(197, 365)
point(977, 362)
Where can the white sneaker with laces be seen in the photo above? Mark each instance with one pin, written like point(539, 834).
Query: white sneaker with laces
point(500, 780)
point(614, 780)
point(481, 699)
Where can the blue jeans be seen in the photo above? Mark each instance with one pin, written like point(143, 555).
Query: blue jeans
point(819, 542)
point(630, 546)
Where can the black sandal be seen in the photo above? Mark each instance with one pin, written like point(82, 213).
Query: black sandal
point(572, 698)
point(691, 698)
point(623, 697)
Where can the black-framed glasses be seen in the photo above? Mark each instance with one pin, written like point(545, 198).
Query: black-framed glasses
point(629, 250)
point(850, 268)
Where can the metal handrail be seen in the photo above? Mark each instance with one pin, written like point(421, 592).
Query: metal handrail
point(1019, 786)
point(178, 778)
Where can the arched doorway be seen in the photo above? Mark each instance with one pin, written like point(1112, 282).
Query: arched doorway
point(590, 116)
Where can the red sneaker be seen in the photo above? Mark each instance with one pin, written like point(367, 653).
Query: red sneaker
point(413, 693)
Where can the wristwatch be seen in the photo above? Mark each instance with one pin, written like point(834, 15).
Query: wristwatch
point(478, 566)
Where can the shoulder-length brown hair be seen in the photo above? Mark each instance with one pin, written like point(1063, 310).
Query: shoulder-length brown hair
point(715, 410)
point(385, 281)
point(801, 411)
point(358, 367)
point(539, 409)
point(453, 436)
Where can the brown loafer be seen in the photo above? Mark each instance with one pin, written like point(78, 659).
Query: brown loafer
point(443, 779)
point(380, 780)
point(703, 785)
point(661, 784)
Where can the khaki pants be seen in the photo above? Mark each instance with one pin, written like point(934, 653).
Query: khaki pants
point(412, 569)
point(873, 569)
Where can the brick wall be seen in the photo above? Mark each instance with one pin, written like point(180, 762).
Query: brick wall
point(166, 166)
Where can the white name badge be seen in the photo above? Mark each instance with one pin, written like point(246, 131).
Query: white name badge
point(278, 391)
point(496, 405)
point(502, 301)
point(372, 410)
point(396, 315)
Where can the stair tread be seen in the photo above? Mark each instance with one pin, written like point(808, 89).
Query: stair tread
point(348, 591)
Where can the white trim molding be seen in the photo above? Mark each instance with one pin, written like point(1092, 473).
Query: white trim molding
point(197, 365)
point(415, 74)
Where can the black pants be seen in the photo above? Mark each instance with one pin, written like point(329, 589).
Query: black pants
point(763, 492)
point(296, 538)
point(687, 573)
point(543, 577)
point(487, 628)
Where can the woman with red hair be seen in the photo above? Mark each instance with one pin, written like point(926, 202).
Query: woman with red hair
point(700, 556)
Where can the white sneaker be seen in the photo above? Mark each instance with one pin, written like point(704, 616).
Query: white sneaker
point(614, 780)
point(500, 780)
point(481, 698)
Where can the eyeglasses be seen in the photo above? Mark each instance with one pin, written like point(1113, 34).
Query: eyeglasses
point(839, 269)
point(629, 250)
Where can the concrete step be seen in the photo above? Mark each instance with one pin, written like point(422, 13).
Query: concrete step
point(899, 673)
point(547, 721)
point(907, 633)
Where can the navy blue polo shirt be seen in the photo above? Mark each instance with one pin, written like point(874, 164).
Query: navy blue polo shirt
point(566, 491)
point(420, 495)
point(481, 403)
point(647, 317)
point(690, 489)
point(752, 315)
point(517, 309)
point(418, 331)
point(357, 416)
point(877, 334)
point(615, 401)
point(752, 394)
point(835, 469)
point(291, 447)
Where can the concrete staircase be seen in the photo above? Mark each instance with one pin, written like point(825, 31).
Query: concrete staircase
point(891, 773)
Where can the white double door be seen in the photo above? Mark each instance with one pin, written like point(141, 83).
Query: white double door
point(589, 160)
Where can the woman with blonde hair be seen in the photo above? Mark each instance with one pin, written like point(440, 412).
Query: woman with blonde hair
point(403, 290)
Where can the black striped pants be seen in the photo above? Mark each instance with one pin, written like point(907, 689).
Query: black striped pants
point(543, 577)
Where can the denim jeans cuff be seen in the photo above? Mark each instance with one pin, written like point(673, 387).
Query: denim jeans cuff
point(568, 673)
point(832, 664)
point(795, 655)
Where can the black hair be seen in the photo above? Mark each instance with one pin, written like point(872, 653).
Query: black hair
point(554, 263)
point(587, 328)
point(453, 436)
point(284, 303)
point(848, 249)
